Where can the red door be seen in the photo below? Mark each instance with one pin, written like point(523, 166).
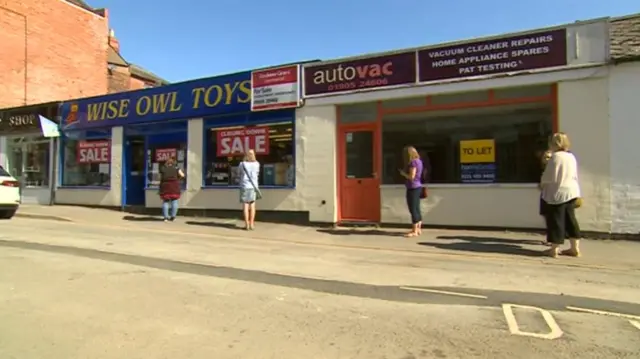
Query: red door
point(359, 180)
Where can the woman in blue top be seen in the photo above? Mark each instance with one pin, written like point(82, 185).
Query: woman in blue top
point(413, 172)
point(249, 172)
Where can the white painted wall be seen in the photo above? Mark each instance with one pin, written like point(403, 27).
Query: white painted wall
point(583, 112)
point(315, 172)
point(100, 196)
point(624, 111)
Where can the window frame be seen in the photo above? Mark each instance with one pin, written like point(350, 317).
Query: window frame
point(83, 137)
point(247, 120)
point(426, 104)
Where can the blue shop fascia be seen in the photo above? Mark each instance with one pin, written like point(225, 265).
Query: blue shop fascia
point(154, 125)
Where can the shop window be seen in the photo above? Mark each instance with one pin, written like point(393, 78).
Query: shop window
point(358, 113)
point(160, 148)
point(29, 160)
point(271, 139)
point(86, 158)
point(507, 141)
point(405, 102)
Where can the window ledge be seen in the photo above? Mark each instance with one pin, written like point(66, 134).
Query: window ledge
point(471, 185)
point(84, 187)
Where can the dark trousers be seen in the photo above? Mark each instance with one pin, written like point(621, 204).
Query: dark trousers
point(561, 221)
point(413, 204)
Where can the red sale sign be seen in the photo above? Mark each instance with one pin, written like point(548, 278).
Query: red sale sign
point(163, 154)
point(238, 141)
point(94, 151)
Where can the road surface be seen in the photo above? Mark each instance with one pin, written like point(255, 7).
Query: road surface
point(81, 291)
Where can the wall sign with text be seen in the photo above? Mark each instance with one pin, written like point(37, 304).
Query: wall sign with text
point(226, 94)
point(275, 88)
point(239, 141)
point(508, 54)
point(366, 73)
point(97, 151)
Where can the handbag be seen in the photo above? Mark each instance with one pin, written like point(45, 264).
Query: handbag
point(255, 188)
point(424, 193)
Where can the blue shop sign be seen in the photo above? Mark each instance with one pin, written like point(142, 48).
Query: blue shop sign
point(193, 99)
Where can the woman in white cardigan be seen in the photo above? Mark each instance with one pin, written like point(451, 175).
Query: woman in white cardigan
point(560, 190)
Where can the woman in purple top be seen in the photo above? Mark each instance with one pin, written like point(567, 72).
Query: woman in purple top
point(413, 173)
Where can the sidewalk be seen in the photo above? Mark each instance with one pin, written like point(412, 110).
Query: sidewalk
point(492, 245)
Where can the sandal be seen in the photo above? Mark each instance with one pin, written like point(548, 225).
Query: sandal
point(551, 253)
point(411, 234)
point(570, 253)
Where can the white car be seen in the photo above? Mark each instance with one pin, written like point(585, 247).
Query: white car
point(9, 194)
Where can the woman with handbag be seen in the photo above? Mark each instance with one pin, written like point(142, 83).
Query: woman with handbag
point(170, 176)
point(249, 192)
point(561, 195)
point(413, 173)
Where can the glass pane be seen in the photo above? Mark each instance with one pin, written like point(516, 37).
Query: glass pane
point(359, 154)
point(273, 143)
point(525, 91)
point(519, 131)
point(36, 169)
point(86, 162)
point(358, 113)
point(463, 97)
point(405, 102)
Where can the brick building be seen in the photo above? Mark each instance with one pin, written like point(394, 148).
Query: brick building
point(52, 51)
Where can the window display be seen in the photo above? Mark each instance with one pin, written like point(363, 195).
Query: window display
point(272, 142)
point(86, 159)
point(505, 144)
point(29, 161)
point(157, 155)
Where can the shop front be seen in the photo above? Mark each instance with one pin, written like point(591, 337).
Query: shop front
point(28, 151)
point(113, 146)
point(479, 113)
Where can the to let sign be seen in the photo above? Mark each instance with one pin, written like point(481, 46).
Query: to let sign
point(478, 151)
point(163, 154)
point(94, 151)
point(239, 141)
point(511, 54)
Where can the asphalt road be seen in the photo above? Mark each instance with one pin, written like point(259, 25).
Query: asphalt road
point(71, 291)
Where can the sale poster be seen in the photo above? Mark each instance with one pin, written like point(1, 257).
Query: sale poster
point(239, 141)
point(163, 154)
point(97, 151)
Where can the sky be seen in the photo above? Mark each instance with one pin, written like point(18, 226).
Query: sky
point(188, 39)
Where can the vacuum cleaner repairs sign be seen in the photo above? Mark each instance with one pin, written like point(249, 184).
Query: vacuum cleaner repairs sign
point(523, 52)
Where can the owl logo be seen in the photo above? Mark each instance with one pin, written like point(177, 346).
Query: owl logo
point(72, 117)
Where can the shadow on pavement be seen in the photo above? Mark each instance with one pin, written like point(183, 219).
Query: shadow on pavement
point(484, 247)
point(214, 224)
point(359, 232)
point(142, 219)
point(507, 241)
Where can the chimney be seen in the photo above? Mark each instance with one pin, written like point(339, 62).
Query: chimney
point(113, 42)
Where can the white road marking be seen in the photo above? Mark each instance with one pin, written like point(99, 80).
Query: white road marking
point(602, 312)
point(635, 324)
point(514, 328)
point(444, 292)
